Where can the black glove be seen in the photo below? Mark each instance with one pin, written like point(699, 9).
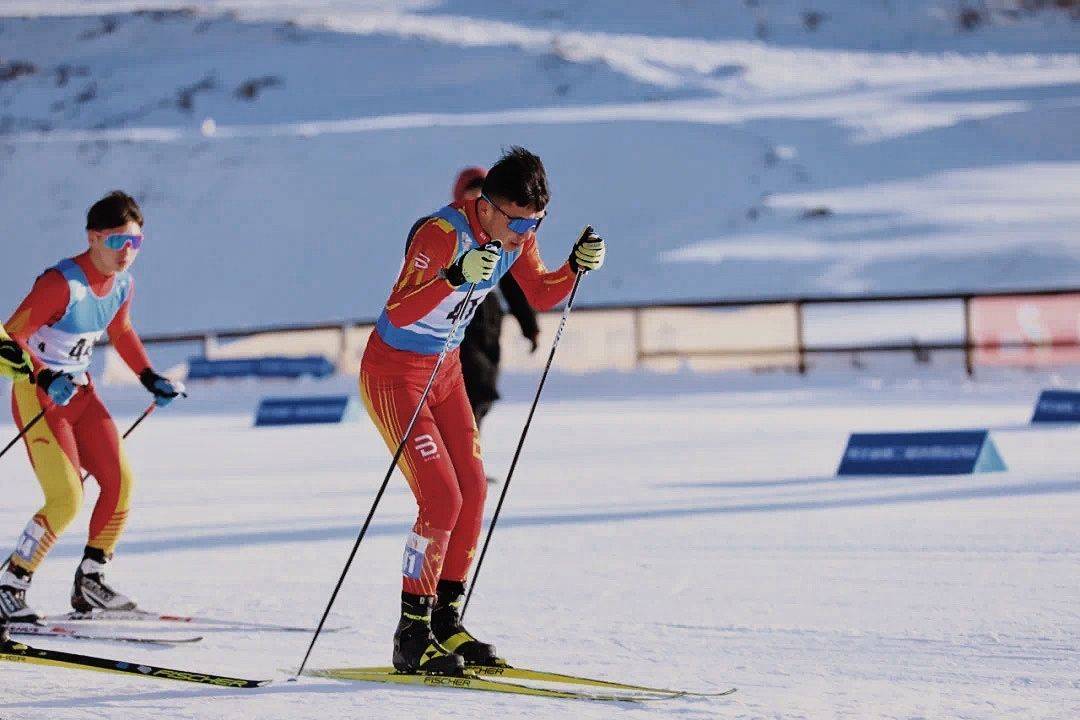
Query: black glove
point(588, 251)
point(163, 389)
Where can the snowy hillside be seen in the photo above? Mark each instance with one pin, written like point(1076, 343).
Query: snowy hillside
point(282, 149)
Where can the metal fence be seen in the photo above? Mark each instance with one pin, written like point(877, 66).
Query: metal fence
point(1030, 328)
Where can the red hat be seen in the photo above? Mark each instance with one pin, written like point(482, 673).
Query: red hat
point(467, 177)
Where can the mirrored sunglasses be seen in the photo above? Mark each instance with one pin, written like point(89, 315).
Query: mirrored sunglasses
point(519, 225)
point(118, 242)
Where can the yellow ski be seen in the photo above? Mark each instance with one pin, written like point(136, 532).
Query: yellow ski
point(472, 681)
point(505, 672)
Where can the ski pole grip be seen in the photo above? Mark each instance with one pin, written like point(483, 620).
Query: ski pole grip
point(581, 238)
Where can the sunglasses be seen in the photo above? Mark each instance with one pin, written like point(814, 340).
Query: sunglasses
point(119, 242)
point(519, 225)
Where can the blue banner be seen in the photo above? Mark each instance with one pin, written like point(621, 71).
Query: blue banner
point(921, 453)
point(316, 366)
point(1057, 406)
point(203, 369)
point(305, 410)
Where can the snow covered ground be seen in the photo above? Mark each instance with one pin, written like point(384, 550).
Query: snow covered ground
point(696, 537)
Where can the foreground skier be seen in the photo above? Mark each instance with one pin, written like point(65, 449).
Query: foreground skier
point(69, 308)
point(446, 254)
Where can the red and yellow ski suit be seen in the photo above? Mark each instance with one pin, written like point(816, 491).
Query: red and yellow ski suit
point(79, 435)
point(442, 460)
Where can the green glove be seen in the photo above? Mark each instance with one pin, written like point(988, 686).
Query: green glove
point(474, 266)
point(14, 361)
point(588, 252)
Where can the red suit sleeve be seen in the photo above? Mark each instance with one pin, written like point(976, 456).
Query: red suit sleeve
point(542, 287)
point(419, 289)
point(125, 339)
point(45, 305)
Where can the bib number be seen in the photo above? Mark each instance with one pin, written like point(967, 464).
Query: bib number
point(81, 351)
point(465, 313)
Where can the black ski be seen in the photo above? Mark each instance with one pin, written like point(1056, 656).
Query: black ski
point(21, 653)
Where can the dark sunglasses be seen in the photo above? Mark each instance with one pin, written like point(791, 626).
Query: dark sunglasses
point(519, 225)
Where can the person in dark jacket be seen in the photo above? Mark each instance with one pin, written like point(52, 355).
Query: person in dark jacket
point(480, 351)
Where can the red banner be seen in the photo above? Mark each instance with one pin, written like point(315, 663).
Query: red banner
point(1048, 325)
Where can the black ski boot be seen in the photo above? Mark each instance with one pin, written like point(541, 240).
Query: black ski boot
point(415, 649)
point(89, 592)
point(14, 582)
point(451, 634)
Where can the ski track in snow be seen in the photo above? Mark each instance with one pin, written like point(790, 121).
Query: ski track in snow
point(700, 554)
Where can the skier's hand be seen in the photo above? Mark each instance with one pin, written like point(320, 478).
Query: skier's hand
point(588, 252)
point(474, 266)
point(163, 389)
point(59, 386)
point(14, 361)
point(532, 342)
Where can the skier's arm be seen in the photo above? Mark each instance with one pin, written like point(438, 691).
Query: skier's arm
point(519, 307)
point(124, 338)
point(133, 352)
point(543, 288)
point(46, 304)
point(421, 287)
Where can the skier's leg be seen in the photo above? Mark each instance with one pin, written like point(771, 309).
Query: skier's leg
point(480, 411)
point(52, 450)
point(454, 417)
point(426, 466)
point(103, 457)
point(425, 463)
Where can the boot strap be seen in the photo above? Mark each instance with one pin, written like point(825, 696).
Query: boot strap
point(433, 651)
point(455, 641)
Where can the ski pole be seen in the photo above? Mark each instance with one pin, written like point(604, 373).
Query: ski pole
point(521, 441)
point(389, 474)
point(22, 433)
point(130, 430)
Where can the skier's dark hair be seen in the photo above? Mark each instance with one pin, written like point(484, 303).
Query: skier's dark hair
point(115, 209)
point(519, 177)
point(477, 183)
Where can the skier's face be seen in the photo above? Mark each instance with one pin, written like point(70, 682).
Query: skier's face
point(497, 216)
point(110, 261)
